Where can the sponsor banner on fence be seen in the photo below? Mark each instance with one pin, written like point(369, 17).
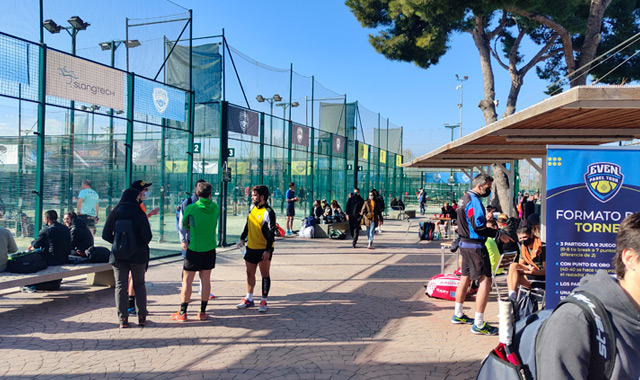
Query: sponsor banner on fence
point(72, 78)
point(363, 151)
point(8, 154)
point(156, 99)
point(338, 144)
point(300, 135)
point(589, 192)
point(398, 160)
point(145, 153)
point(14, 60)
point(243, 121)
point(383, 156)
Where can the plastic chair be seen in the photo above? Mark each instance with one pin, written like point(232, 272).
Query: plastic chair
point(506, 259)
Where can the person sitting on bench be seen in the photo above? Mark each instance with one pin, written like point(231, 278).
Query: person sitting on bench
point(529, 271)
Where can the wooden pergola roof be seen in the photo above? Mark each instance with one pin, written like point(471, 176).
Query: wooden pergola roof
point(588, 115)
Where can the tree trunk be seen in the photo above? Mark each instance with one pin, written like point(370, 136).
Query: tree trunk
point(517, 80)
point(592, 39)
point(484, 48)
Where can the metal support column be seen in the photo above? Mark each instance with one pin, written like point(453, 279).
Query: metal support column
point(261, 158)
point(39, 190)
point(129, 138)
point(222, 164)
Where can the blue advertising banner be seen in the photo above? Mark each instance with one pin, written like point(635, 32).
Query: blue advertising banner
point(444, 177)
point(590, 190)
point(155, 99)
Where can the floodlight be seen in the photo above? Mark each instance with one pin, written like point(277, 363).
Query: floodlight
point(295, 104)
point(132, 43)
point(277, 98)
point(95, 107)
point(260, 98)
point(84, 108)
point(78, 23)
point(51, 26)
point(105, 45)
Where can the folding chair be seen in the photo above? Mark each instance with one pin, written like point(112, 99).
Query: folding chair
point(506, 259)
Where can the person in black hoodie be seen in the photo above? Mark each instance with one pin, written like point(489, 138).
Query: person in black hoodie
point(129, 209)
point(81, 236)
point(354, 206)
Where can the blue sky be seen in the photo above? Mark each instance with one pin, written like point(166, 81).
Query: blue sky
point(320, 38)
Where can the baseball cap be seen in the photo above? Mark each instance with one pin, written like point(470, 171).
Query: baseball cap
point(503, 218)
point(140, 185)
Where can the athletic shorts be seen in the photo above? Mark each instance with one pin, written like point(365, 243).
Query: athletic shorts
point(254, 256)
point(197, 261)
point(475, 261)
point(291, 211)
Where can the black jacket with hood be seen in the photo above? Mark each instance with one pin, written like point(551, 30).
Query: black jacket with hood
point(129, 209)
point(81, 236)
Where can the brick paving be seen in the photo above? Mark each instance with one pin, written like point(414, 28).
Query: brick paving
point(334, 313)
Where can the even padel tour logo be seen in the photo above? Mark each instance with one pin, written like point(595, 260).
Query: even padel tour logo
point(604, 180)
point(244, 121)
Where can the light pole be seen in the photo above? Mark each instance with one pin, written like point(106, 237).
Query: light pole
point(284, 134)
point(77, 24)
point(452, 127)
point(459, 87)
point(113, 46)
point(271, 101)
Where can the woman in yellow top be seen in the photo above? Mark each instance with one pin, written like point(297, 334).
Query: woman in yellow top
point(372, 216)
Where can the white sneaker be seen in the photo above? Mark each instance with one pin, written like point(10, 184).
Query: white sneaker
point(263, 306)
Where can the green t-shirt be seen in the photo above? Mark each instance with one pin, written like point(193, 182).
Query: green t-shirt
point(201, 219)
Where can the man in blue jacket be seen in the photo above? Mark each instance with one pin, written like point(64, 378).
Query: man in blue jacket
point(473, 231)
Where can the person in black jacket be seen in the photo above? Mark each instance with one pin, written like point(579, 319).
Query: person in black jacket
point(81, 236)
point(54, 240)
point(354, 206)
point(129, 209)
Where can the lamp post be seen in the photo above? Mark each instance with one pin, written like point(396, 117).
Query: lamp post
point(284, 106)
point(452, 127)
point(113, 46)
point(459, 87)
point(76, 25)
point(271, 101)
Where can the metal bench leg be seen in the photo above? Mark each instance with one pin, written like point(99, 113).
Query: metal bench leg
point(104, 278)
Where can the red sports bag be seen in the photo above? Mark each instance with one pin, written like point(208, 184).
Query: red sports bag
point(444, 286)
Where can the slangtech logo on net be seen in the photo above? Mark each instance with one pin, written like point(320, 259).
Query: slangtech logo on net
point(73, 82)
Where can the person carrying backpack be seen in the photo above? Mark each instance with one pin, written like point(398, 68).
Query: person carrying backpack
point(128, 229)
point(566, 343)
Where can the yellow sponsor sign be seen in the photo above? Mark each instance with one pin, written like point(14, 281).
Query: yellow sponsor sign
point(383, 156)
point(398, 160)
point(241, 167)
point(363, 151)
point(175, 166)
point(300, 167)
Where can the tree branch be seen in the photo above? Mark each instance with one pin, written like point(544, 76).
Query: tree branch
point(564, 34)
point(541, 55)
point(494, 53)
point(503, 22)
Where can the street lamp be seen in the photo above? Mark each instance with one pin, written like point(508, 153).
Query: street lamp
point(459, 87)
point(284, 108)
point(452, 127)
point(113, 46)
point(76, 25)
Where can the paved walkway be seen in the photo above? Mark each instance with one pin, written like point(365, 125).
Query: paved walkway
point(334, 313)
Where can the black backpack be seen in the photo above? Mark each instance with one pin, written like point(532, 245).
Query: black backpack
point(29, 261)
point(527, 333)
point(124, 240)
point(98, 254)
point(425, 231)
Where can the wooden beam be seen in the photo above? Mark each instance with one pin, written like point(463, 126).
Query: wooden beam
point(535, 166)
point(610, 132)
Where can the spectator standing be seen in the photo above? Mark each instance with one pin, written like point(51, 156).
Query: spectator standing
point(260, 234)
point(7, 245)
point(372, 216)
point(88, 205)
point(567, 335)
point(81, 236)
point(185, 234)
point(354, 217)
point(291, 199)
point(422, 200)
point(201, 220)
point(128, 209)
point(476, 264)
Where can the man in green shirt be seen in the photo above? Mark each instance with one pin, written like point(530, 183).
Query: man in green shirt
point(201, 219)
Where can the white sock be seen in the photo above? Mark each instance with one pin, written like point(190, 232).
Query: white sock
point(512, 294)
point(479, 320)
point(249, 297)
point(458, 310)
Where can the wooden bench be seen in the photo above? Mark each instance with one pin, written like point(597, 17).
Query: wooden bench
point(322, 230)
point(97, 274)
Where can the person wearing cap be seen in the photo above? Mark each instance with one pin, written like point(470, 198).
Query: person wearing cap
point(143, 188)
